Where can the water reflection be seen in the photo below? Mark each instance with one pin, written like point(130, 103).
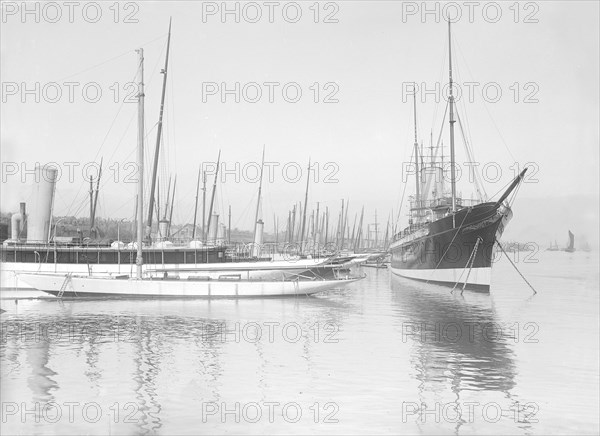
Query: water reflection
point(459, 346)
point(147, 351)
point(40, 382)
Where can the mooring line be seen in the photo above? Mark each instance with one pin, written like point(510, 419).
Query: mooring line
point(469, 265)
point(515, 267)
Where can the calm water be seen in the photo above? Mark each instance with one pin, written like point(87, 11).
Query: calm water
point(384, 355)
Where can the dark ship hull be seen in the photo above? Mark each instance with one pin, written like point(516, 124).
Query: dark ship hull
point(456, 250)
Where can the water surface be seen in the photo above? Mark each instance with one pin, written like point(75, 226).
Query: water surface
point(384, 355)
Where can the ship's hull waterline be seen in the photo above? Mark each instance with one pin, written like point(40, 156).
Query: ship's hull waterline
point(102, 287)
point(456, 251)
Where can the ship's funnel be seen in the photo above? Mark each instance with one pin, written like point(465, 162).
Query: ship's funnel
point(213, 229)
point(17, 223)
point(40, 209)
point(163, 229)
point(258, 239)
point(222, 234)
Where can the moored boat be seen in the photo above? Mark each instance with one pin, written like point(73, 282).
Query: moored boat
point(62, 285)
point(449, 240)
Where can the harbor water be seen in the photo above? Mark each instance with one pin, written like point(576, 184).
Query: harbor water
point(383, 355)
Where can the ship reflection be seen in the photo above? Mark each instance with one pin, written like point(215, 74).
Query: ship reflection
point(40, 382)
point(458, 345)
point(457, 335)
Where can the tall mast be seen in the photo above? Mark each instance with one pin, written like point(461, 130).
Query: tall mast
point(359, 232)
point(290, 228)
point(93, 218)
point(158, 138)
point(167, 200)
point(157, 203)
point(91, 205)
point(172, 203)
point(417, 175)
point(326, 223)
point(321, 227)
point(134, 220)
point(299, 221)
point(293, 229)
point(316, 229)
point(229, 227)
point(139, 261)
point(346, 220)
point(375, 245)
point(212, 198)
point(451, 103)
point(351, 239)
point(196, 204)
point(203, 203)
point(262, 165)
point(305, 208)
point(340, 230)
point(387, 229)
point(337, 230)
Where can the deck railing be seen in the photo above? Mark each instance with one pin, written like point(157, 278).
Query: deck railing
point(442, 202)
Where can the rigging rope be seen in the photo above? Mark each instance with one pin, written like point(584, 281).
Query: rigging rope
point(471, 156)
point(402, 199)
point(485, 105)
point(515, 267)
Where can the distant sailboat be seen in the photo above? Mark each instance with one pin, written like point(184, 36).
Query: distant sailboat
point(571, 247)
point(585, 246)
point(553, 247)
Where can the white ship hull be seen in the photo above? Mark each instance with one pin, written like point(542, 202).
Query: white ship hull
point(265, 270)
point(107, 287)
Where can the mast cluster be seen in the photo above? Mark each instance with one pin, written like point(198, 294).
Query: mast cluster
point(303, 227)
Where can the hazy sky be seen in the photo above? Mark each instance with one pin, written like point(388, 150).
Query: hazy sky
point(546, 66)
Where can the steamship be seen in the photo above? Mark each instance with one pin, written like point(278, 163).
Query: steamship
point(449, 240)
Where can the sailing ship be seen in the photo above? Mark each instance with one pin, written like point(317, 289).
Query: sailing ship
point(449, 240)
point(571, 244)
point(162, 282)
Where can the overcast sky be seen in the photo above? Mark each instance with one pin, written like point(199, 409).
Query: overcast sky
point(542, 56)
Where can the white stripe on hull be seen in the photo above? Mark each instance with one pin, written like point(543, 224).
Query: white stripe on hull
point(95, 287)
point(478, 276)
